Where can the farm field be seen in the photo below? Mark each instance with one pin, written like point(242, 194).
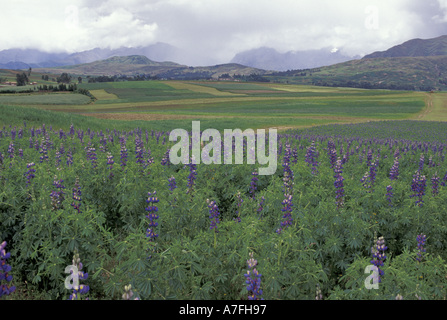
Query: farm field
point(248, 105)
point(360, 182)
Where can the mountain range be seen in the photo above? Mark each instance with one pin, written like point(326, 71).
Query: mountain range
point(270, 59)
point(416, 64)
point(260, 58)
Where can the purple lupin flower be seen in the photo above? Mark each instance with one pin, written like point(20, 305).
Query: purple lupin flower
point(110, 163)
point(152, 210)
point(76, 204)
point(253, 280)
point(165, 160)
point(214, 215)
point(11, 150)
point(91, 155)
point(57, 196)
point(128, 294)
point(339, 187)
point(378, 254)
point(172, 184)
point(311, 156)
point(389, 194)
point(444, 180)
point(69, 158)
point(421, 238)
point(288, 173)
point(295, 155)
point(191, 177)
point(5, 288)
point(394, 172)
point(287, 216)
point(435, 184)
point(261, 205)
point(253, 184)
point(82, 288)
point(418, 187)
point(123, 152)
point(318, 295)
point(421, 162)
point(238, 204)
point(332, 152)
point(30, 173)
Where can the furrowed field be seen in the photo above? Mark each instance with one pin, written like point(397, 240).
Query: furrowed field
point(344, 197)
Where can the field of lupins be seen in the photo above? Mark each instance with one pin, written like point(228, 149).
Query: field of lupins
point(137, 226)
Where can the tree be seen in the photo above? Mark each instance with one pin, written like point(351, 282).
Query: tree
point(79, 79)
point(22, 79)
point(64, 78)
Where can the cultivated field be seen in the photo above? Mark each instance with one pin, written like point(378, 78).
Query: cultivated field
point(360, 183)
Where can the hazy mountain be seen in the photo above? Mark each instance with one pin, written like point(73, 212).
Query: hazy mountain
point(39, 59)
point(414, 48)
point(270, 59)
point(138, 64)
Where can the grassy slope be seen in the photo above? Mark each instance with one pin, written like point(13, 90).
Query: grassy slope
point(419, 72)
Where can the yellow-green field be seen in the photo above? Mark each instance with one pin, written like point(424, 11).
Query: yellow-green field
point(243, 105)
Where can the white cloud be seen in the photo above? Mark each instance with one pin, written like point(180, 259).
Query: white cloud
point(213, 31)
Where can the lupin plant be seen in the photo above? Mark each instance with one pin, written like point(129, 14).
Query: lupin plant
point(128, 293)
point(165, 160)
point(253, 279)
point(378, 254)
point(418, 187)
point(191, 177)
point(5, 288)
point(339, 186)
point(318, 295)
point(389, 195)
point(124, 153)
point(30, 173)
point(287, 216)
point(152, 216)
point(172, 184)
point(394, 172)
point(91, 155)
point(110, 163)
point(214, 215)
point(238, 204)
point(253, 184)
point(435, 184)
point(81, 289)
point(421, 163)
point(57, 197)
point(311, 158)
point(421, 239)
point(76, 204)
point(261, 206)
point(332, 153)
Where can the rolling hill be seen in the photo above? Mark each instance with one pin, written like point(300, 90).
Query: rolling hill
point(137, 64)
point(413, 65)
point(414, 48)
point(401, 73)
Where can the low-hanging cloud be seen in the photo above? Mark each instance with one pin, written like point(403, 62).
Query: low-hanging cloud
point(213, 31)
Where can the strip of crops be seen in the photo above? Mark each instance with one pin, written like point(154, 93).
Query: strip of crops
point(111, 203)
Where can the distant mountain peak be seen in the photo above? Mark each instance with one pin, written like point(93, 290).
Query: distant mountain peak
point(270, 59)
point(414, 48)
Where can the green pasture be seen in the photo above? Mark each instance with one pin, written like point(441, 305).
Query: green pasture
point(174, 104)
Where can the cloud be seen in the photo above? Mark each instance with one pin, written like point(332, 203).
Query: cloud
point(213, 31)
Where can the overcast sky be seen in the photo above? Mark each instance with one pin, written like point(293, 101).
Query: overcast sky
point(213, 31)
